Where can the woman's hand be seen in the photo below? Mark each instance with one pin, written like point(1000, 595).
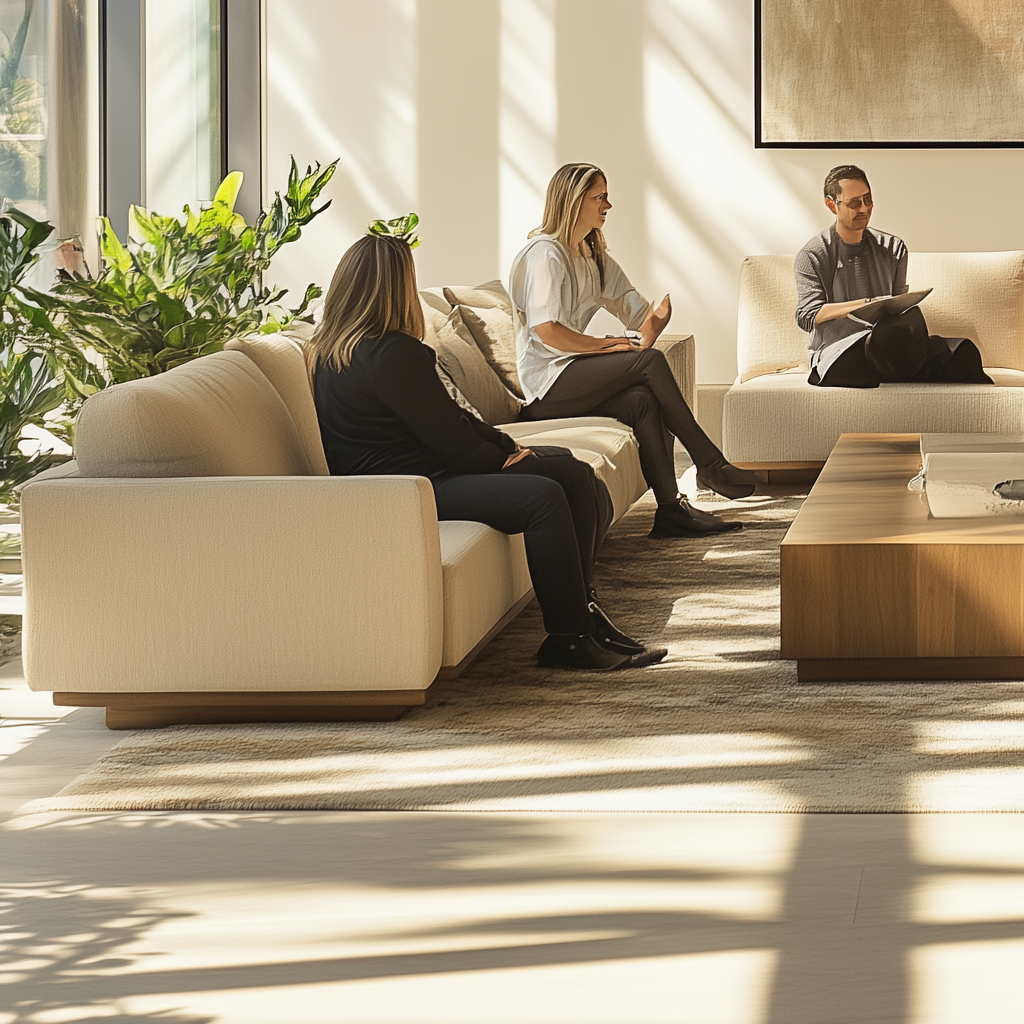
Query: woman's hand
point(657, 320)
point(556, 335)
point(517, 456)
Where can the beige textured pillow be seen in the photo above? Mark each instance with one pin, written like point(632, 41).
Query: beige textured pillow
point(490, 295)
point(462, 360)
point(495, 336)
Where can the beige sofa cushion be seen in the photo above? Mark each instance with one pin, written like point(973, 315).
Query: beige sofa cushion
point(215, 416)
point(767, 337)
point(977, 295)
point(280, 358)
point(485, 574)
point(781, 418)
point(605, 444)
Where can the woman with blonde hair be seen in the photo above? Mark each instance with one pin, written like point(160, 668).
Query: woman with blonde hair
point(558, 282)
point(383, 410)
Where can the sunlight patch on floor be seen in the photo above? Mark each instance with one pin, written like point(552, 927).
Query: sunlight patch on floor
point(958, 982)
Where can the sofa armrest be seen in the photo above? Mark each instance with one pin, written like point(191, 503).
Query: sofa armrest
point(680, 351)
point(231, 584)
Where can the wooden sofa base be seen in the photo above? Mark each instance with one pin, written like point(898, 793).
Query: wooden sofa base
point(155, 710)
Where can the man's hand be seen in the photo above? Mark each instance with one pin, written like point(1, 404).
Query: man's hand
point(517, 456)
point(837, 310)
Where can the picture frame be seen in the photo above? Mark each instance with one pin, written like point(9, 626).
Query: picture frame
point(879, 74)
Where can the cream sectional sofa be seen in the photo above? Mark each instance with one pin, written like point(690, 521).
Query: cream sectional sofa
point(196, 562)
point(772, 418)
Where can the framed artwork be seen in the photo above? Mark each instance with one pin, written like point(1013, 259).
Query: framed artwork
point(889, 74)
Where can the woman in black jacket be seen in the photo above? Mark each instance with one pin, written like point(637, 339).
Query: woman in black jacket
point(383, 409)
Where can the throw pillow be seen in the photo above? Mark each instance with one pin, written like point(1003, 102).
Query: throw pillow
point(454, 393)
point(490, 295)
point(495, 336)
point(463, 361)
point(433, 298)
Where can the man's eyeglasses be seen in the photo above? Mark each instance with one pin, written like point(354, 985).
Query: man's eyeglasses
point(856, 204)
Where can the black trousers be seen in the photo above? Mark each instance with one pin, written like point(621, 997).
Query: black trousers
point(563, 512)
point(638, 389)
point(900, 350)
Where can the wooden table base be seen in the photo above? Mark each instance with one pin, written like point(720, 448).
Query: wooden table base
point(874, 587)
point(811, 670)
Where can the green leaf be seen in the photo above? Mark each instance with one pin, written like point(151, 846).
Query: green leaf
point(229, 188)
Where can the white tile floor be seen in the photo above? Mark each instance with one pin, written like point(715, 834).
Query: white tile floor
point(401, 917)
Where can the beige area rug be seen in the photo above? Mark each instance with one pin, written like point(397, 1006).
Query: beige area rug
point(721, 725)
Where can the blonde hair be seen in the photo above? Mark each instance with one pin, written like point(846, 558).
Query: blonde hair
point(373, 291)
point(562, 205)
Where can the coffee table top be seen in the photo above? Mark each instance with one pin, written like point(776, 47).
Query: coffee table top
point(861, 497)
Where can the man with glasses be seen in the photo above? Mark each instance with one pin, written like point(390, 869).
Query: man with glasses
point(844, 268)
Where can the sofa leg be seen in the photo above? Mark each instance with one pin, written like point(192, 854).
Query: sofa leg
point(156, 710)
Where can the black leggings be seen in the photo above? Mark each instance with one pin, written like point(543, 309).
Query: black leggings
point(563, 512)
point(638, 389)
point(899, 349)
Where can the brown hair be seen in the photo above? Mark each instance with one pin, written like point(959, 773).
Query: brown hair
point(844, 172)
point(562, 204)
point(373, 291)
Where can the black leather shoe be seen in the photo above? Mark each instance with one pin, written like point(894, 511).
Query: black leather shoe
point(682, 520)
point(608, 634)
point(726, 479)
point(648, 656)
point(563, 650)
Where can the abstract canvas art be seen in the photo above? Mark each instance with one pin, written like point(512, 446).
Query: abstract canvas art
point(889, 73)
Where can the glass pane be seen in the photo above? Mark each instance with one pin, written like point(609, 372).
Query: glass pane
point(24, 84)
point(183, 136)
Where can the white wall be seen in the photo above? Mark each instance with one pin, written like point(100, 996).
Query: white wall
point(462, 109)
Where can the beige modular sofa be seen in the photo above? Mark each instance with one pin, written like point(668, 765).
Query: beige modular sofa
point(196, 563)
point(773, 419)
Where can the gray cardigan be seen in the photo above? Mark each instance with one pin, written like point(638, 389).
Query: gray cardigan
point(829, 270)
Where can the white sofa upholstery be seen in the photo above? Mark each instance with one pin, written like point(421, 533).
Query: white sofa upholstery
point(771, 414)
point(198, 563)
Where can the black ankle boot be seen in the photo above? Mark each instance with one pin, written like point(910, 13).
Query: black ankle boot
point(680, 519)
point(563, 650)
point(725, 478)
point(607, 633)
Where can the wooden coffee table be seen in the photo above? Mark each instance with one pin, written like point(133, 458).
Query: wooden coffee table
point(874, 588)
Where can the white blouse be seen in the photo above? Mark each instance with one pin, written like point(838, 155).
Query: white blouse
point(548, 283)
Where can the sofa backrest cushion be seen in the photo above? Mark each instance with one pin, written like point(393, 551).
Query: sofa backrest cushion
point(977, 295)
point(767, 337)
point(280, 358)
point(215, 416)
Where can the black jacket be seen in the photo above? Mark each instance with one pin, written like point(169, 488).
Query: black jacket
point(389, 413)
